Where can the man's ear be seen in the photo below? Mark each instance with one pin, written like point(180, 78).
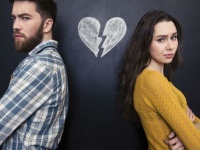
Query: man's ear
point(48, 23)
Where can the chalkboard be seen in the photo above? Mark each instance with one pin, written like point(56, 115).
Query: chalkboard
point(93, 35)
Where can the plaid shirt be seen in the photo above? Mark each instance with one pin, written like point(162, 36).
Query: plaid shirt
point(34, 108)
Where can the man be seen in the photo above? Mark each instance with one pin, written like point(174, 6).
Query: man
point(34, 107)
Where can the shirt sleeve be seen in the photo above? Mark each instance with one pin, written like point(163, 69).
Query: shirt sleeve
point(30, 87)
point(166, 104)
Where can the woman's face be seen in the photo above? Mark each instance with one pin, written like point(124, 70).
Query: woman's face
point(164, 44)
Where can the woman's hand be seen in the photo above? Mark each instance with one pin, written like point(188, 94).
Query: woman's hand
point(174, 142)
point(191, 115)
point(192, 118)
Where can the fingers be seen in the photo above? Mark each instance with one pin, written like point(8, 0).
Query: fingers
point(171, 135)
point(191, 114)
point(171, 140)
point(177, 146)
point(174, 142)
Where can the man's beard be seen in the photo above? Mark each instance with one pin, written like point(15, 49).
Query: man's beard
point(29, 43)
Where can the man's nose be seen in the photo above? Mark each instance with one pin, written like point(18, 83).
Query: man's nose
point(16, 25)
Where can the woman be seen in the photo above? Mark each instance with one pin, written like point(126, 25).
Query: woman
point(148, 96)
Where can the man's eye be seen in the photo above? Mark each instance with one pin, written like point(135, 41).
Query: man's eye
point(25, 18)
point(13, 18)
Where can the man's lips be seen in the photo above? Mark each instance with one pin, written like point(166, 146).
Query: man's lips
point(18, 35)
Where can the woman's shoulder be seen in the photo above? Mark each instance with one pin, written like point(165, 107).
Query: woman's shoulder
point(151, 76)
point(151, 79)
point(148, 73)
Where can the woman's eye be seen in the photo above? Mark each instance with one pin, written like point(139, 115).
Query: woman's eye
point(174, 38)
point(161, 40)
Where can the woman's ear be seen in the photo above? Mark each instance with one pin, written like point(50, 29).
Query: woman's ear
point(47, 27)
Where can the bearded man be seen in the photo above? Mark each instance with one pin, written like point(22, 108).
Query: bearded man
point(34, 107)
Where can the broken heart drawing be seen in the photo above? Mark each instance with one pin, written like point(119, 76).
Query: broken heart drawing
point(114, 31)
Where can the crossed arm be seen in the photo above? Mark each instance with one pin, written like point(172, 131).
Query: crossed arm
point(174, 142)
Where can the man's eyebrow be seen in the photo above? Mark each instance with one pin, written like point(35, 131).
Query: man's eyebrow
point(21, 15)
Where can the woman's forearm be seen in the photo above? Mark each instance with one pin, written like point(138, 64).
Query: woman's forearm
point(197, 125)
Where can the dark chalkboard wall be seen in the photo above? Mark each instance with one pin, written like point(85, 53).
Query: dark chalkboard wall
point(94, 119)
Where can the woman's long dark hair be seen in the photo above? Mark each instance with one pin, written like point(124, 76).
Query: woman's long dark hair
point(137, 58)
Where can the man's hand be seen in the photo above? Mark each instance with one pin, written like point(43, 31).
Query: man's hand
point(174, 142)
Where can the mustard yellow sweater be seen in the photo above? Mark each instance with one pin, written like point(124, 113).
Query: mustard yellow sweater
point(163, 108)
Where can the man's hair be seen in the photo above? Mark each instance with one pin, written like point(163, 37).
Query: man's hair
point(46, 8)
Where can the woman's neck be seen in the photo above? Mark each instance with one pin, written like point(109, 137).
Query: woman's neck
point(156, 66)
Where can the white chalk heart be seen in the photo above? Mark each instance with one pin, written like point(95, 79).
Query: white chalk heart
point(114, 31)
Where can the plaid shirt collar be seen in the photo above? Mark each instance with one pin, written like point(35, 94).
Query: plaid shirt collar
point(42, 45)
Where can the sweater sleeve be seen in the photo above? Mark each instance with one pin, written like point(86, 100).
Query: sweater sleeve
point(165, 102)
point(197, 120)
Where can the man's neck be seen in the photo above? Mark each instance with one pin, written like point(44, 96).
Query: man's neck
point(47, 36)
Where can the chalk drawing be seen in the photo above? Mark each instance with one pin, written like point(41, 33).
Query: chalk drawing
point(114, 31)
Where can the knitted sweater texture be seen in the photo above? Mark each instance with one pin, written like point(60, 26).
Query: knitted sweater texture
point(163, 108)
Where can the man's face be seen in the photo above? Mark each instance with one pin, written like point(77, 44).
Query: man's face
point(27, 26)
